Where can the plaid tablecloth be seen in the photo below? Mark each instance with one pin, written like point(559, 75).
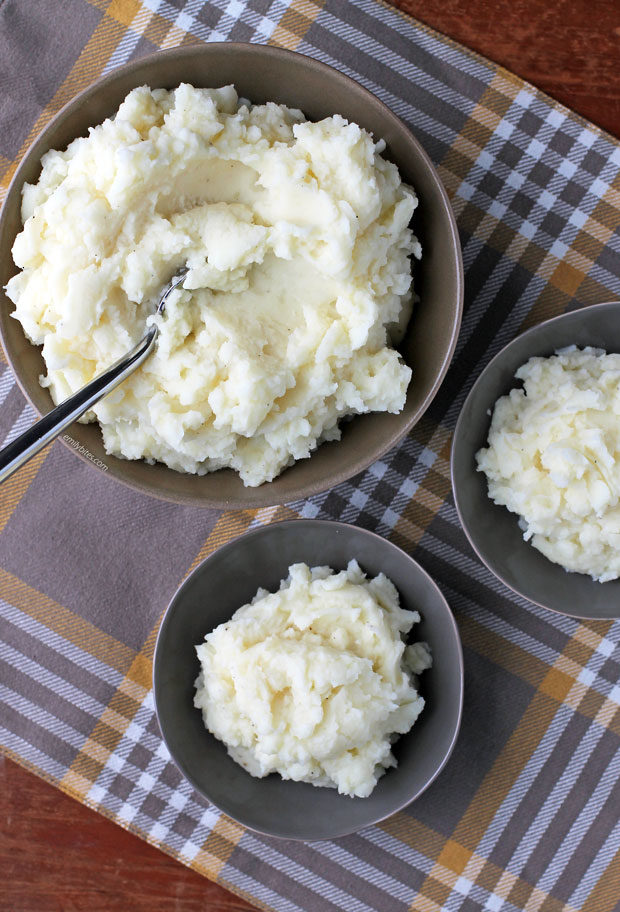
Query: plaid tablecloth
point(525, 815)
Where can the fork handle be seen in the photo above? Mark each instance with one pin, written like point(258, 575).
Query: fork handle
point(24, 447)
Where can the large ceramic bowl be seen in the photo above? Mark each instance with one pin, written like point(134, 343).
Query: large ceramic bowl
point(262, 74)
point(491, 529)
point(228, 579)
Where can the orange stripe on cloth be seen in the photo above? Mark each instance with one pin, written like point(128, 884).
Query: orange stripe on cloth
point(14, 488)
point(295, 22)
point(569, 276)
point(218, 847)
point(474, 135)
point(559, 682)
point(163, 32)
point(152, 26)
point(85, 70)
point(452, 860)
point(119, 15)
point(130, 13)
point(233, 524)
point(100, 5)
point(455, 862)
point(604, 896)
point(65, 623)
point(510, 762)
point(424, 505)
point(108, 730)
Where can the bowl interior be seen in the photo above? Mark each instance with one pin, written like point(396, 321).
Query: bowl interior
point(230, 578)
point(492, 530)
point(262, 74)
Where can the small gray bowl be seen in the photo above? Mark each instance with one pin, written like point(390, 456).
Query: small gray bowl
point(229, 578)
point(492, 530)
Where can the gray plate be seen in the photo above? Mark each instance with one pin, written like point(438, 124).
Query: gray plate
point(492, 530)
point(227, 579)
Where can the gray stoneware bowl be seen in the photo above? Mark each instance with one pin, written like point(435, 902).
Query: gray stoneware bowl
point(492, 530)
point(264, 74)
point(229, 578)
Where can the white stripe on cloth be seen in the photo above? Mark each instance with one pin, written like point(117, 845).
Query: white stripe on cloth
point(148, 780)
point(123, 51)
point(511, 634)
point(177, 800)
point(162, 827)
point(274, 12)
point(580, 827)
point(561, 622)
point(398, 105)
point(490, 620)
point(552, 805)
point(42, 718)
point(596, 869)
point(521, 786)
point(302, 875)
point(365, 871)
point(479, 310)
point(508, 191)
point(60, 645)
point(464, 61)
point(46, 678)
point(406, 853)
point(186, 20)
point(567, 848)
point(260, 892)
point(25, 418)
point(393, 61)
point(22, 748)
point(7, 382)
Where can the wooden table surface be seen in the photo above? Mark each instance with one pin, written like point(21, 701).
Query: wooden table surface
point(56, 855)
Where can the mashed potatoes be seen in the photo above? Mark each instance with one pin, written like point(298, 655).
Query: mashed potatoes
point(313, 682)
point(297, 239)
point(554, 458)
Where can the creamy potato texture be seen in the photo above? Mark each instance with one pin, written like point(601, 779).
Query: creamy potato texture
point(314, 681)
point(554, 458)
point(297, 239)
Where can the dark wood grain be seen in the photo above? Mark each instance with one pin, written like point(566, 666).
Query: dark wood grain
point(568, 48)
point(57, 855)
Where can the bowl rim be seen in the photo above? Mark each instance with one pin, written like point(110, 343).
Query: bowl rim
point(249, 500)
point(524, 336)
point(334, 526)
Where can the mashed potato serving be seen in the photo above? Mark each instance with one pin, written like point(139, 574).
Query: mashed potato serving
point(314, 681)
point(297, 240)
point(554, 458)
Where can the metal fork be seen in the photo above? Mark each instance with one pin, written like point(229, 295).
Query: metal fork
point(45, 430)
